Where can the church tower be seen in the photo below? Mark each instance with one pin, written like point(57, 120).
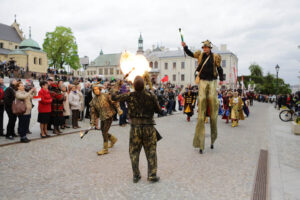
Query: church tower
point(140, 45)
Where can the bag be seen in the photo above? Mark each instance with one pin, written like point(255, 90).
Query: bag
point(18, 107)
point(1, 96)
point(197, 81)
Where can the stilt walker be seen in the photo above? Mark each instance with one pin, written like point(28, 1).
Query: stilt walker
point(209, 67)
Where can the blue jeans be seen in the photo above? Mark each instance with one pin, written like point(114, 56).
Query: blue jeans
point(170, 106)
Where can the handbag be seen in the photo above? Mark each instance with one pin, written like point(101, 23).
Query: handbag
point(18, 107)
point(197, 81)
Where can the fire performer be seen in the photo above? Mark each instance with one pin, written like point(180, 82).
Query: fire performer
point(141, 107)
point(104, 108)
point(209, 67)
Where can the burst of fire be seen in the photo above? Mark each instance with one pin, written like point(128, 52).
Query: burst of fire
point(134, 65)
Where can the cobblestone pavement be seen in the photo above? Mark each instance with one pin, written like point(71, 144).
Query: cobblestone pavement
point(68, 167)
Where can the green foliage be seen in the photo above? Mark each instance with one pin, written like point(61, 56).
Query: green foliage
point(265, 84)
point(61, 48)
point(255, 70)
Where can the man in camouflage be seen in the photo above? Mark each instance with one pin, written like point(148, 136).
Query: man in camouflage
point(104, 108)
point(141, 107)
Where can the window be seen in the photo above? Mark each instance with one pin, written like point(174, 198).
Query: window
point(155, 64)
point(88, 73)
point(16, 46)
point(118, 72)
point(34, 60)
point(151, 64)
point(223, 63)
point(182, 77)
point(111, 71)
point(182, 65)
point(101, 71)
point(105, 71)
point(174, 65)
point(174, 77)
point(40, 61)
point(166, 66)
point(1, 45)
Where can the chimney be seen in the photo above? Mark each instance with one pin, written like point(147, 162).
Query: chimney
point(223, 47)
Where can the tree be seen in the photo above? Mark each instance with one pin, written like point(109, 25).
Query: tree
point(256, 70)
point(61, 48)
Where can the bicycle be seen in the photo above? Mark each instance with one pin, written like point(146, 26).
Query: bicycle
point(289, 115)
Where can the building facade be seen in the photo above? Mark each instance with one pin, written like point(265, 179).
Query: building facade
point(106, 66)
point(26, 53)
point(181, 69)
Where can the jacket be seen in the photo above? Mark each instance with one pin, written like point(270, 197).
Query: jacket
point(74, 101)
point(67, 111)
point(102, 107)
point(26, 97)
point(45, 102)
point(141, 106)
point(9, 97)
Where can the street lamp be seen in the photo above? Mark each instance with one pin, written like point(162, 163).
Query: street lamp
point(277, 70)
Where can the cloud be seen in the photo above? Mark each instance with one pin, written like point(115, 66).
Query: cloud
point(261, 31)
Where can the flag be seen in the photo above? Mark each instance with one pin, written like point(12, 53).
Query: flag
point(165, 79)
point(234, 77)
point(242, 82)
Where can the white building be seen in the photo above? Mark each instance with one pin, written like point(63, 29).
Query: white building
point(180, 69)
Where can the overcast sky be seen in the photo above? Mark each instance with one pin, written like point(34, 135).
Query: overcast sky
point(263, 31)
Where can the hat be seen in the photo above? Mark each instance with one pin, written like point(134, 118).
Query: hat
point(207, 43)
point(98, 85)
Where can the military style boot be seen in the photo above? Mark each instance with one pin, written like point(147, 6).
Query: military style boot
point(104, 150)
point(112, 140)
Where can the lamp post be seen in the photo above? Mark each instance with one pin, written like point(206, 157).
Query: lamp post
point(277, 70)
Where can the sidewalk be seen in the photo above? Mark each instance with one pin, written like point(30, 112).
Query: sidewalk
point(284, 163)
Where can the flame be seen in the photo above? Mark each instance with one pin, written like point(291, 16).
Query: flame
point(134, 65)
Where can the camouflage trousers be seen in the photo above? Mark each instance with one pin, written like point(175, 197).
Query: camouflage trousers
point(143, 136)
point(207, 97)
point(105, 126)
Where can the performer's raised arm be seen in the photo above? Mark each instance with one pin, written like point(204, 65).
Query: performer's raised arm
point(189, 52)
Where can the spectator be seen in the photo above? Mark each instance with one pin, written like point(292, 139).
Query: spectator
point(81, 102)
point(74, 100)
point(180, 101)
point(66, 105)
point(24, 120)
point(57, 108)
point(44, 108)
point(9, 97)
point(2, 89)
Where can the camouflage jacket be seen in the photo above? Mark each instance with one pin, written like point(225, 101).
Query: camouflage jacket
point(141, 106)
point(102, 107)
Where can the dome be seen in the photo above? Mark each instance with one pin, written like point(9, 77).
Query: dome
point(29, 43)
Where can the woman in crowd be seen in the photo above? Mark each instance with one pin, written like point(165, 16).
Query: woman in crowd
point(9, 97)
point(24, 120)
point(44, 108)
point(66, 106)
point(57, 108)
point(75, 104)
point(81, 102)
